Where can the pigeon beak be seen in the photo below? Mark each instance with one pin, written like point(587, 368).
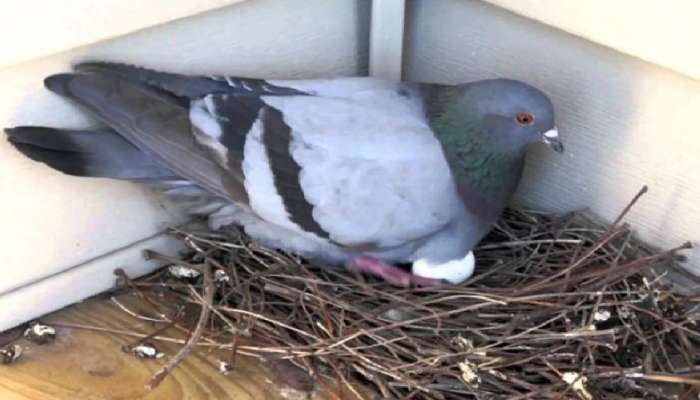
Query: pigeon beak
point(551, 138)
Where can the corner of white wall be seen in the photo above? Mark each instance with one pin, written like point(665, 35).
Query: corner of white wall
point(64, 235)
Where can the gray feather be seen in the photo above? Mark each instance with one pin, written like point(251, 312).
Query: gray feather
point(152, 121)
point(190, 87)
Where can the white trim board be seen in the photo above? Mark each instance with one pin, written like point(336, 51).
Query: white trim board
point(386, 39)
point(81, 281)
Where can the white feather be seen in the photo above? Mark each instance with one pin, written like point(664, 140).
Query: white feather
point(259, 183)
point(275, 236)
point(208, 132)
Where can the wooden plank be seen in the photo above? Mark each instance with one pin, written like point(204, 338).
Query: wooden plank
point(86, 364)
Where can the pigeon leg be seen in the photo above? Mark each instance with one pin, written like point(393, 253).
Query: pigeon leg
point(390, 273)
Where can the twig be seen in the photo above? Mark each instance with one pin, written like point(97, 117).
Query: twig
point(196, 335)
point(663, 378)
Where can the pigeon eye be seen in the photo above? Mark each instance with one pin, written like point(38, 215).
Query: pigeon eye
point(525, 118)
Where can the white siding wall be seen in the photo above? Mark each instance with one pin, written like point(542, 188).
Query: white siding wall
point(76, 231)
point(662, 32)
point(37, 28)
point(625, 122)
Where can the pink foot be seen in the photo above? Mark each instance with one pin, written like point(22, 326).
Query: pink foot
point(390, 273)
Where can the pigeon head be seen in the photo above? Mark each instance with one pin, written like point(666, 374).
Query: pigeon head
point(484, 128)
point(510, 114)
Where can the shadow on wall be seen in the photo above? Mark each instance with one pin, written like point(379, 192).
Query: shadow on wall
point(625, 122)
point(363, 9)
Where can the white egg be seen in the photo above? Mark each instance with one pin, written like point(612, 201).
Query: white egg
point(453, 271)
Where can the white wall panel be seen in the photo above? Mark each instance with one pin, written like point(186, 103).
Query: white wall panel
point(662, 32)
point(34, 28)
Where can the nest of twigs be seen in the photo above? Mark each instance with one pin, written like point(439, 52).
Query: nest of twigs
point(560, 307)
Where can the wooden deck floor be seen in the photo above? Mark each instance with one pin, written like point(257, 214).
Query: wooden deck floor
point(86, 364)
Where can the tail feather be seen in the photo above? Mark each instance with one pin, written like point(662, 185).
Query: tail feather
point(104, 153)
point(153, 120)
point(97, 153)
point(149, 138)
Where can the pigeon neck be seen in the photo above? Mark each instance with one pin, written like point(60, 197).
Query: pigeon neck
point(486, 172)
point(488, 185)
point(473, 154)
point(481, 167)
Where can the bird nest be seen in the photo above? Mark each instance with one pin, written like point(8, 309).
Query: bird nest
point(559, 307)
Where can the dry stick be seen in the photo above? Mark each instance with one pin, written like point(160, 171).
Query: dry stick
point(629, 206)
point(144, 336)
point(129, 347)
point(663, 378)
point(602, 242)
point(610, 234)
point(516, 243)
point(209, 289)
point(148, 254)
point(641, 263)
point(137, 315)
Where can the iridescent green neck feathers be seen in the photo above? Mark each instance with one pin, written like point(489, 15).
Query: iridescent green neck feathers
point(477, 160)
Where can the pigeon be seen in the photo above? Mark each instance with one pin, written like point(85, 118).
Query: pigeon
point(399, 180)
